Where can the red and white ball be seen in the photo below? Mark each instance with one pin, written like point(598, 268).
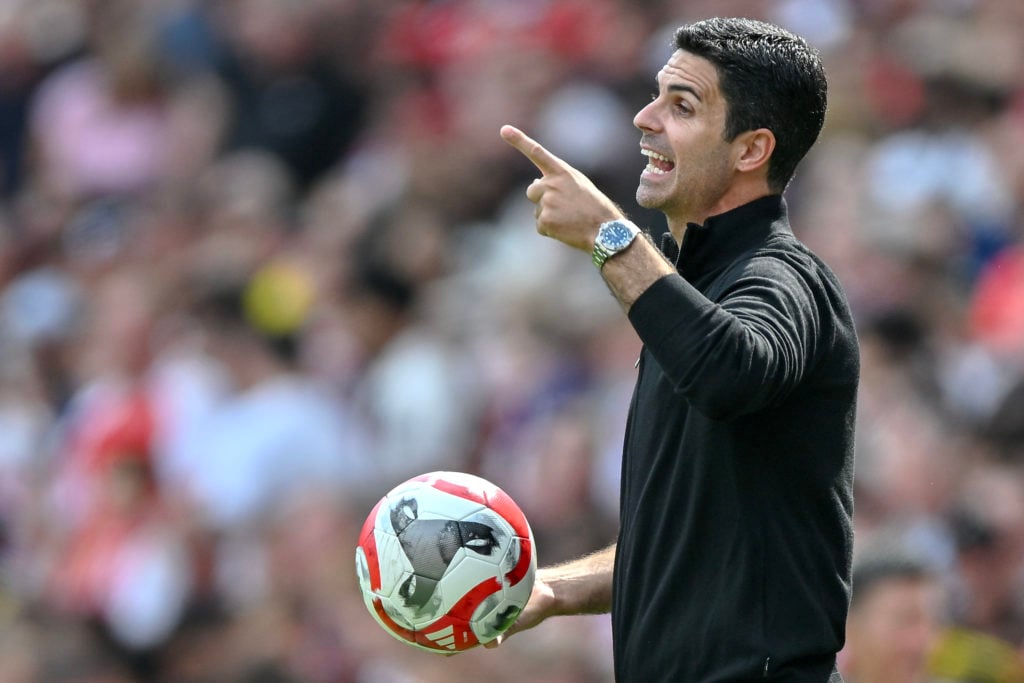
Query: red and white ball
point(446, 561)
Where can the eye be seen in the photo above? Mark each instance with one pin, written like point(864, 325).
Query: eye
point(683, 107)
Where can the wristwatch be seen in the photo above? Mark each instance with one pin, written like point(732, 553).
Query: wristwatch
point(612, 237)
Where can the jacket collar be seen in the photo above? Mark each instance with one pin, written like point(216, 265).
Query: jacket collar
point(722, 238)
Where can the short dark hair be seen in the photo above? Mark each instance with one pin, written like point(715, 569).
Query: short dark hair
point(770, 78)
point(878, 567)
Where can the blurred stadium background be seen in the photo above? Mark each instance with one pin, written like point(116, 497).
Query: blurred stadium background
point(260, 260)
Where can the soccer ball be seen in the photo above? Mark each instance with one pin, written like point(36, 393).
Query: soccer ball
point(445, 562)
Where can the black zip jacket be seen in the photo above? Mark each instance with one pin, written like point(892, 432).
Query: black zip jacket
point(735, 544)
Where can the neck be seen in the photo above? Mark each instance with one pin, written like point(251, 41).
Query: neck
point(736, 196)
point(678, 229)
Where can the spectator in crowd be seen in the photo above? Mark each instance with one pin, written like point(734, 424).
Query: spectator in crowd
point(896, 613)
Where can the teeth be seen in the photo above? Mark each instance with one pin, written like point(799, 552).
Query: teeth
point(651, 168)
point(654, 155)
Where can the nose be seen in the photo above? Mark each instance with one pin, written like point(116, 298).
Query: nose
point(646, 119)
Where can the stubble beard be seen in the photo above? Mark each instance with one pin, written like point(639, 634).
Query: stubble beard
point(689, 196)
point(651, 198)
point(664, 199)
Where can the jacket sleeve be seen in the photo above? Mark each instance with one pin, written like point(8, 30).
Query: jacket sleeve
point(738, 354)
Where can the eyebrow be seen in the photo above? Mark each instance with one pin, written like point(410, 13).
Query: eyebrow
point(679, 87)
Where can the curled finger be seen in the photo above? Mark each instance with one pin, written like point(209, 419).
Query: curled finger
point(535, 190)
point(543, 228)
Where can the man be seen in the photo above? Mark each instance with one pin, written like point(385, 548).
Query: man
point(894, 620)
point(733, 556)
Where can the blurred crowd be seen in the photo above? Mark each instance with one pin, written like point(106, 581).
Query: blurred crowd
point(261, 260)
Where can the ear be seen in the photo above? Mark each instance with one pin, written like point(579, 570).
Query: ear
point(754, 150)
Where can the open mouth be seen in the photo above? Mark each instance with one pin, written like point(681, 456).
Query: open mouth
point(658, 164)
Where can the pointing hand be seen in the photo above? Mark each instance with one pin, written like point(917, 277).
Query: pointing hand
point(569, 207)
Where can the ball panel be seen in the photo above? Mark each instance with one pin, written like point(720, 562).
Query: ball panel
point(485, 535)
point(364, 572)
point(502, 503)
point(429, 503)
point(466, 605)
point(447, 635)
point(494, 618)
point(392, 563)
point(420, 600)
point(395, 612)
point(475, 580)
point(519, 561)
point(460, 485)
point(368, 543)
point(399, 631)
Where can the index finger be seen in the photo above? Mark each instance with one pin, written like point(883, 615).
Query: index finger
point(547, 162)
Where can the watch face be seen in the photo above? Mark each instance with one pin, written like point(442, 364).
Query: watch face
point(616, 236)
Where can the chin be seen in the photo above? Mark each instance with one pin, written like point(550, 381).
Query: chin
point(648, 200)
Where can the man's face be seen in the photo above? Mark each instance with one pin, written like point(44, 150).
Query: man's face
point(684, 125)
point(891, 633)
